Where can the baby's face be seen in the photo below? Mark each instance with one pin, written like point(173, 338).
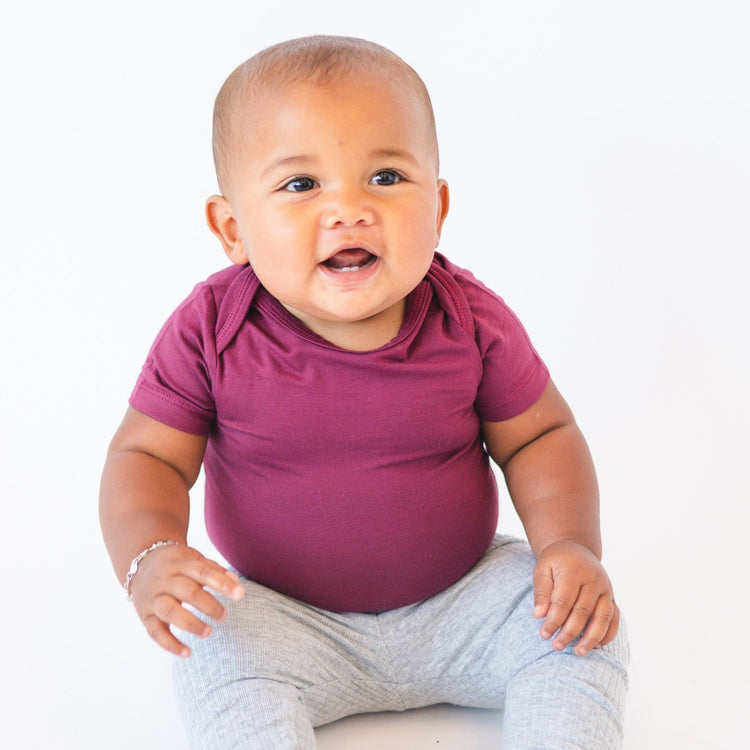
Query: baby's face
point(334, 200)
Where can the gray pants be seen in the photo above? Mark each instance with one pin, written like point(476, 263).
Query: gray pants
point(276, 668)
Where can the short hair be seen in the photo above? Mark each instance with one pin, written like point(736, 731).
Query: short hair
point(322, 58)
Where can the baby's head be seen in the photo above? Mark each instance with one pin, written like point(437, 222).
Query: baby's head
point(319, 59)
point(327, 160)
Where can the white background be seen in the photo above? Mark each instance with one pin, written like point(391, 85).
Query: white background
point(600, 171)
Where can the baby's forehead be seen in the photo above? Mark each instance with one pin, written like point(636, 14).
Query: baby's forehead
point(385, 82)
point(256, 105)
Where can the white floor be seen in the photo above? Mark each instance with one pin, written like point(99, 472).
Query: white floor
point(451, 727)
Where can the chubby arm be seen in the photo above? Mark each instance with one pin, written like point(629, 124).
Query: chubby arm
point(552, 482)
point(147, 476)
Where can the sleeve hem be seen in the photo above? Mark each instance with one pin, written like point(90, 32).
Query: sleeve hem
point(168, 410)
point(521, 398)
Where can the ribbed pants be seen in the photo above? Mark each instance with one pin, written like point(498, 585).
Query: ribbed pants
point(276, 668)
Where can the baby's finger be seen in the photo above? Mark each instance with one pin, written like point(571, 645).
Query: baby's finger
point(580, 614)
point(614, 625)
point(563, 598)
point(161, 634)
point(171, 612)
point(189, 591)
point(597, 627)
point(211, 574)
point(543, 586)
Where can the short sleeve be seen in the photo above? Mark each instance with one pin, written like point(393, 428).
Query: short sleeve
point(513, 374)
point(174, 386)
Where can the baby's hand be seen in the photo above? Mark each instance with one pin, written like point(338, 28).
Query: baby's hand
point(572, 591)
point(174, 575)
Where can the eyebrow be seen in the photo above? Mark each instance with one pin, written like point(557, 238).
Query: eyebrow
point(394, 153)
point(306, 159)
point(289, 161)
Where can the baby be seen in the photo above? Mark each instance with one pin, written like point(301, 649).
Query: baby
point(344, 386)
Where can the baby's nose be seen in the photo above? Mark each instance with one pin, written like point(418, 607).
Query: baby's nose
point(347, 208)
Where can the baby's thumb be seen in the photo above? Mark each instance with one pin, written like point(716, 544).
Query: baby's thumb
point(543, 585)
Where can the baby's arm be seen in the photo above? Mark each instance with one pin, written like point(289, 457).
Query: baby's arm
point(149, 470)
point(551, 480)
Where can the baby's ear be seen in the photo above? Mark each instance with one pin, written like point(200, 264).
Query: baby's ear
point(442, 211)
point(222, 223)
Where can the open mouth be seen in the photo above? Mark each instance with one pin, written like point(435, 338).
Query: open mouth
point(353, 259)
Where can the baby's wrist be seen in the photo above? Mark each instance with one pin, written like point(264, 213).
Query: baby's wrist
point(567, 541)
point(133, 569)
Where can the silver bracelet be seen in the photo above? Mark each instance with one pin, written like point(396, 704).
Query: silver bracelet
point(137, 561)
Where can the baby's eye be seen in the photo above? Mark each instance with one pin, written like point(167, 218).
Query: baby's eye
point(386, 177)
point(299, 184)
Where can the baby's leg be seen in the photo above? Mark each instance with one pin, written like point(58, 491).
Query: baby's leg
point(560, 700)
point(477, 644)
point(565, 701)
point(243, 714)
point(228, 697)
point(275, 668)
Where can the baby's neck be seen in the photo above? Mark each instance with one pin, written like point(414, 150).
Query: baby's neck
point(360, 335)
